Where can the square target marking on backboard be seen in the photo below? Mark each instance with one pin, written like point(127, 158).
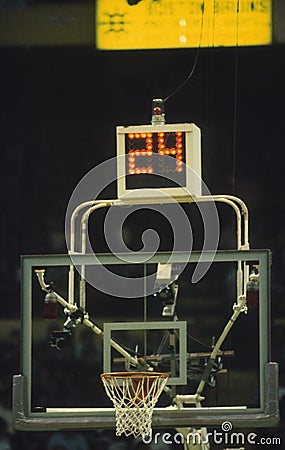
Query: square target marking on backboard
point(179, 327)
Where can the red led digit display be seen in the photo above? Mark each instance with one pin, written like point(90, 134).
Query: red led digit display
point(141, 146)
point(153, 155)
point(141, 151)
point(172, 151)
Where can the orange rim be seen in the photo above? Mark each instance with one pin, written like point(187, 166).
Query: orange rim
point(134, 374)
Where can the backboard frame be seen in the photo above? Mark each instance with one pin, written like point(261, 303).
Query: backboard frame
point(90, 418)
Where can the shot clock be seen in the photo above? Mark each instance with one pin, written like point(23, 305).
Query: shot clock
point(154, 160)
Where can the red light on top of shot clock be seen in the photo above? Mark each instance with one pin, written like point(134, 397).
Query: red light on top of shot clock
point(157, 111)
point(158, 115)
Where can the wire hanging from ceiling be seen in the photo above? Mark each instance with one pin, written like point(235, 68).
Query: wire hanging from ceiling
point(236, 80)
point(189, 76)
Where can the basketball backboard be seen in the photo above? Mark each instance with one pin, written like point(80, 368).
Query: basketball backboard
point(60, 388)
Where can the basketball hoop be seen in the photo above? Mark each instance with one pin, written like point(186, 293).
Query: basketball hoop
point(134, 395)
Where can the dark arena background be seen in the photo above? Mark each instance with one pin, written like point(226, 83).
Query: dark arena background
point(61, 99)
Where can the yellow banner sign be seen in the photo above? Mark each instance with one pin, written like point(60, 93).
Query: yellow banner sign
point(150, 24)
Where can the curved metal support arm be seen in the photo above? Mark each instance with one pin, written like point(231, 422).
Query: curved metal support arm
point(45, 287)
point(93, 205)
point(245, 213)
point(87, 322)
point(235, 203)
point(84, 228)
point(232, 201)
point(84, 221)
point(225, 198)
point(75, 213)
point(228, 199)
point(238, 308)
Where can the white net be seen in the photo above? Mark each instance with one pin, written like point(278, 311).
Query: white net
point(134, 395)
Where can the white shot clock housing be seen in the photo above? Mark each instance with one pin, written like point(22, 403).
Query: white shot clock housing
point(159, 160)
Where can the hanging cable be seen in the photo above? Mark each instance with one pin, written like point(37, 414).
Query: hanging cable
point(204, 344)
point(199, 341)
point(189, 76)
point(162, 343)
